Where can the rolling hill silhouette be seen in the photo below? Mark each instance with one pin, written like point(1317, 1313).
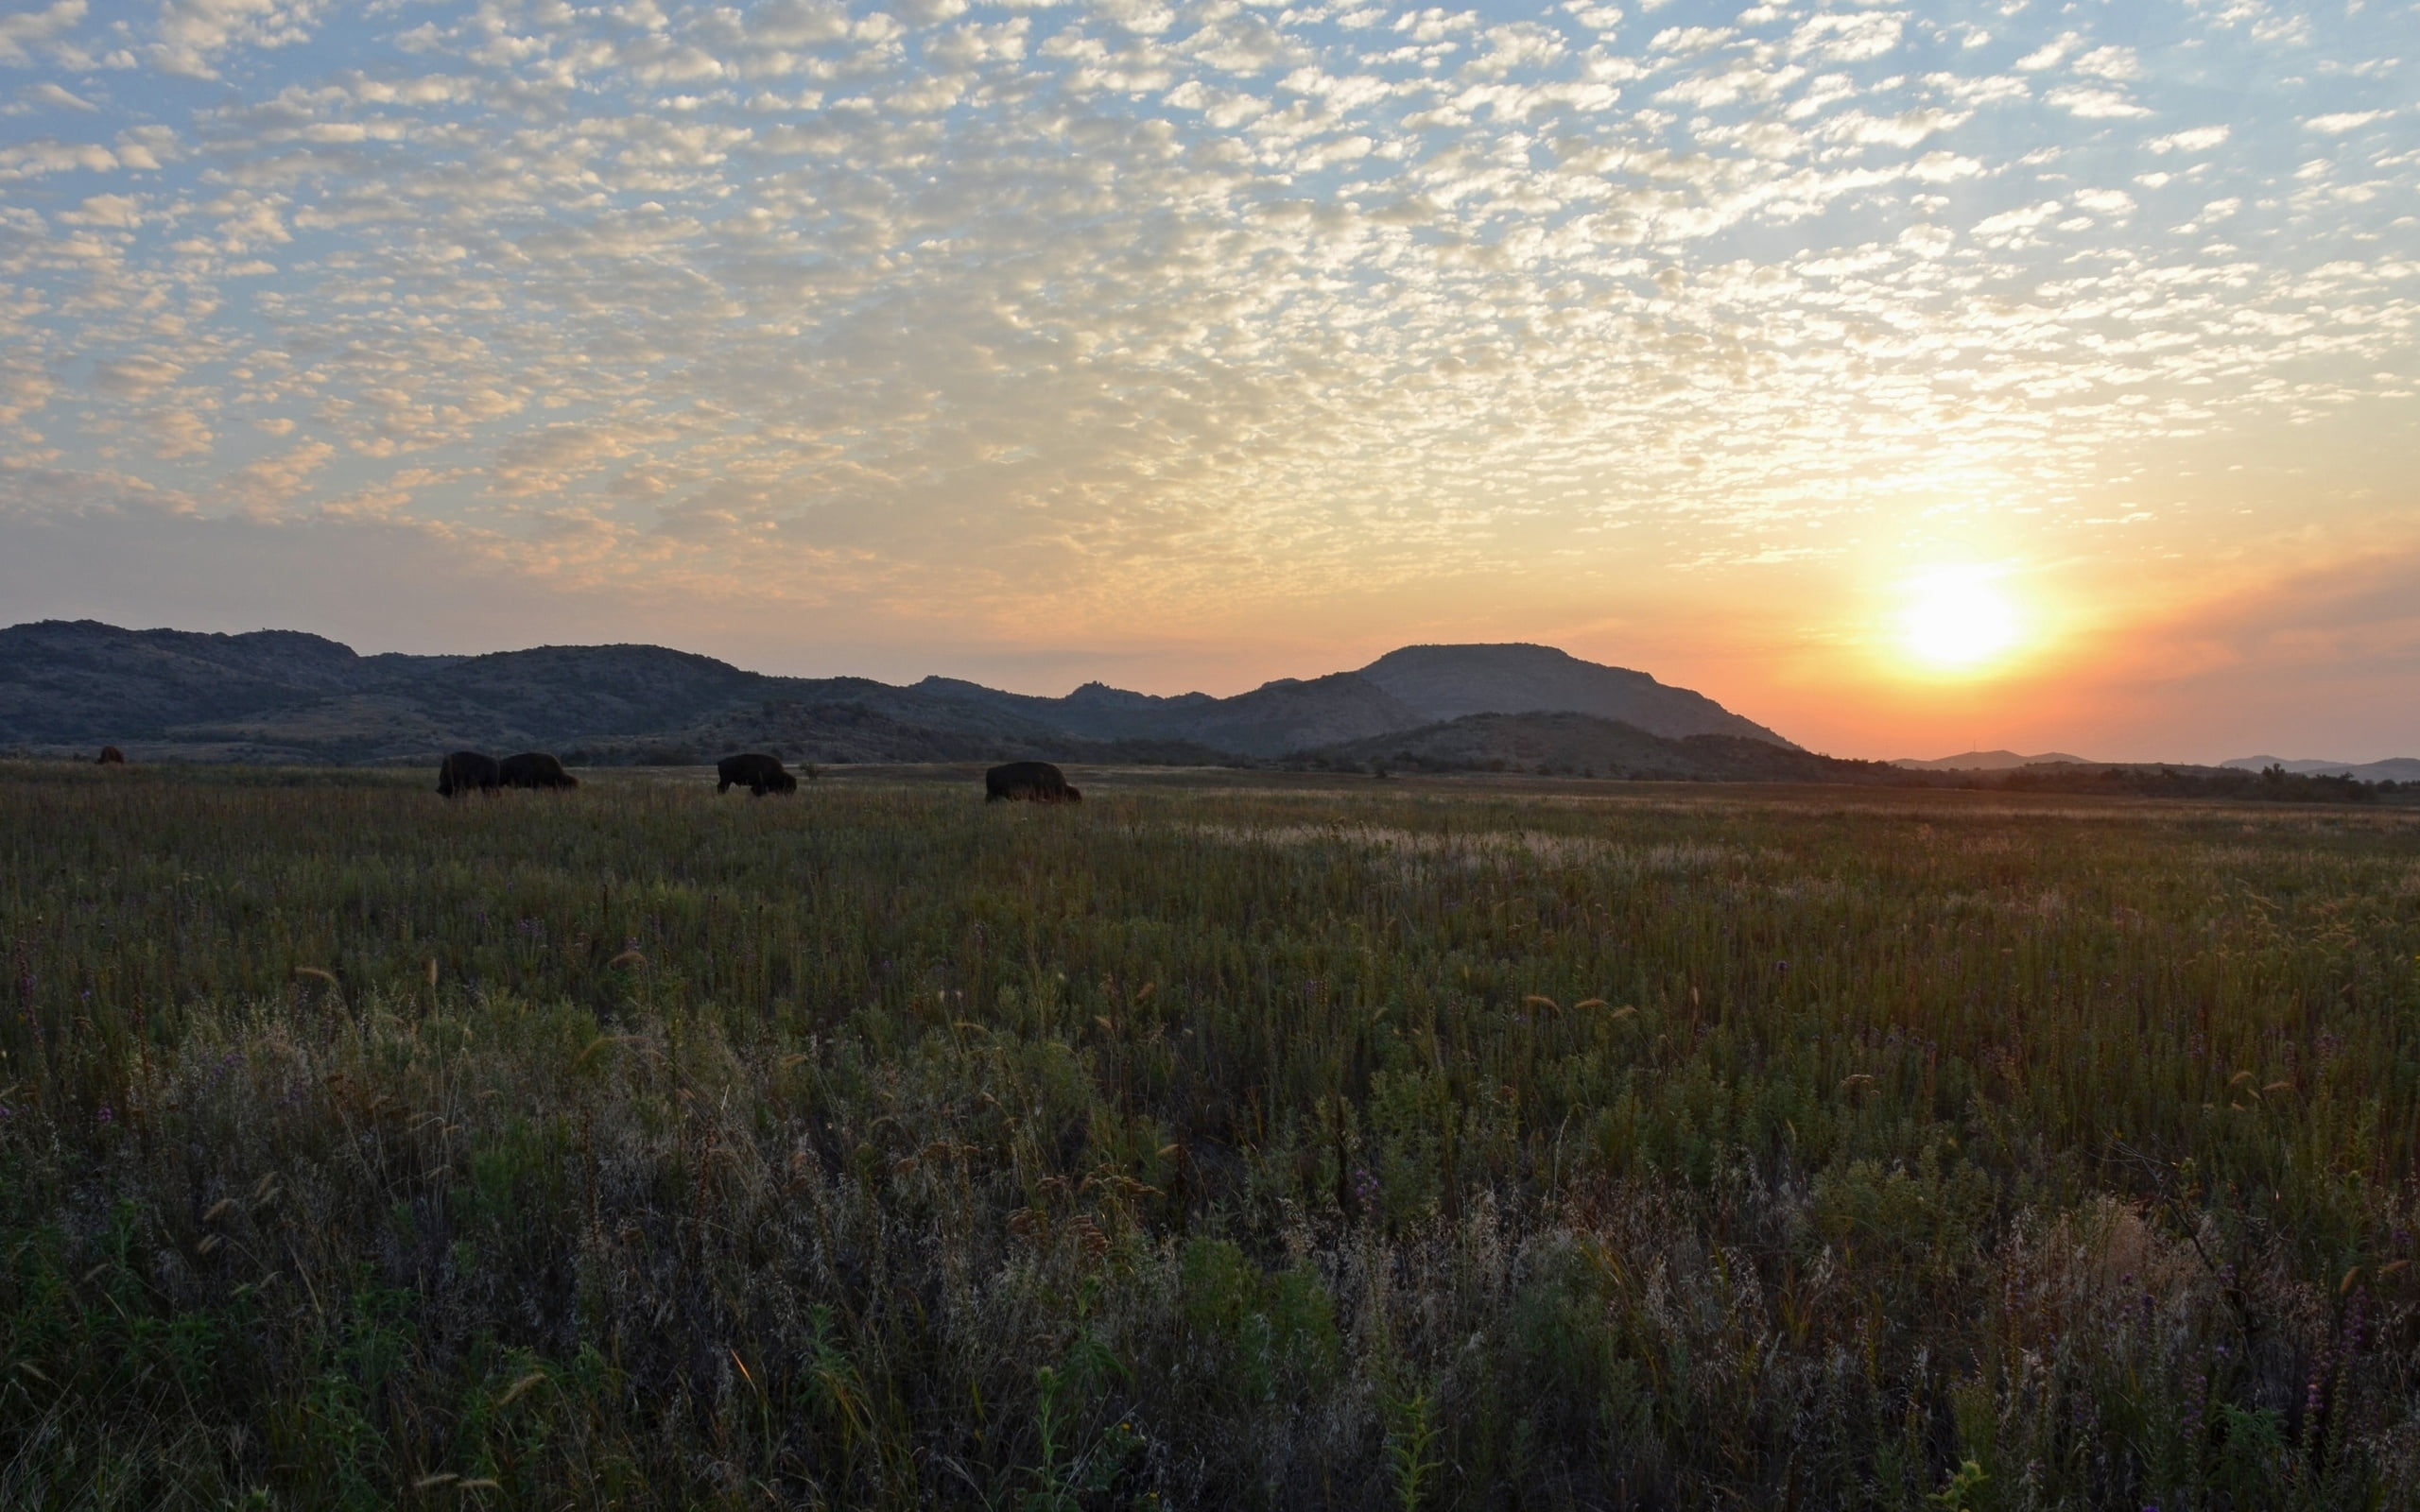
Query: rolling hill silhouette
point(286, 695)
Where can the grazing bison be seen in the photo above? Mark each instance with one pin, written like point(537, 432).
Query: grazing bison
point(112, 756)
point(758, 773)
point(466, 771)
point(533, 768)
point(1036, 781)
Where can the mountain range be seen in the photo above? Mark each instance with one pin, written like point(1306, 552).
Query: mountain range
point(285, 696)
point(68, 687)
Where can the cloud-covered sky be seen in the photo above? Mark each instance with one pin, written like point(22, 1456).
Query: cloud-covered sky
point(1192, 344)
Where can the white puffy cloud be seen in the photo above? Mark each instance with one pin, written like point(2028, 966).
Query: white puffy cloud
point(2048, 55)
point(2015, 226)
point(118, 212)
point(27, 35)
point(2117, 63)
point(2095, 104)
point(188, 35)
point(2198, 139)
point(1687, 40)
point(2340, 122)
point(47, 95)
point(43, 157)
point(1851, 36)
point(2105, 201)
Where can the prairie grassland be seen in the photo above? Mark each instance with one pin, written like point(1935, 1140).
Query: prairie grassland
point(1359, 1146)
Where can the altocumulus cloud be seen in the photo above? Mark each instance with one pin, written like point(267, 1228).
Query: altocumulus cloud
point(1105, 302)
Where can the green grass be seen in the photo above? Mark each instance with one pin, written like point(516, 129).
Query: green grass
point(1374, 1145)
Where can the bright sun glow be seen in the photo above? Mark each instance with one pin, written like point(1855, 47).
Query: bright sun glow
point(1958, 619)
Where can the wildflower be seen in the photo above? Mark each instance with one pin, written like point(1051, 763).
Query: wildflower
point(106, 1116)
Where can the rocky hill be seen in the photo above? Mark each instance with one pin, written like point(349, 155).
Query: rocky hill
point(1445, 682)
point(282, 696)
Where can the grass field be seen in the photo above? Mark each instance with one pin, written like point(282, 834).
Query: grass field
point(1373, 1144)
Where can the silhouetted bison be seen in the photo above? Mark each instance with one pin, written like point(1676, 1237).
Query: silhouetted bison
point(112, 756)
point(1038, 782)
point(466, 771)
point(533, 768)
point(758, 773)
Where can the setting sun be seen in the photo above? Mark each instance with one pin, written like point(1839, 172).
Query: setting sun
point(1958, 619)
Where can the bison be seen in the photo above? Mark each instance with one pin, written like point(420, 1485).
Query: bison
point(112, 756)
point(466, 771)
point(533, 768)
point(753, 770)
point(1036, 781)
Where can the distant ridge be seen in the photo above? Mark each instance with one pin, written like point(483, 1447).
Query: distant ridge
point(1989, 761)
point(2393, 769)
point(282, 696)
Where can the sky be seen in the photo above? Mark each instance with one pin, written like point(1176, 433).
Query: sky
point(1910, 378)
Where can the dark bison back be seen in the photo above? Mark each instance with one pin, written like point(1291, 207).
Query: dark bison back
point(755, 771)
point(534, 769)
point(1034, 781)
point(112, 756)
point(466, 771)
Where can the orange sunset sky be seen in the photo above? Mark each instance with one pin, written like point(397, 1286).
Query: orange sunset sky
point(1907, 378)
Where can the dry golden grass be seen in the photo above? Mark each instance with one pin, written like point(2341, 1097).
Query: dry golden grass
point(1337, 1144)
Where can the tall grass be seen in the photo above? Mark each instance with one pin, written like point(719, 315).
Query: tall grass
point(1431, 1148)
